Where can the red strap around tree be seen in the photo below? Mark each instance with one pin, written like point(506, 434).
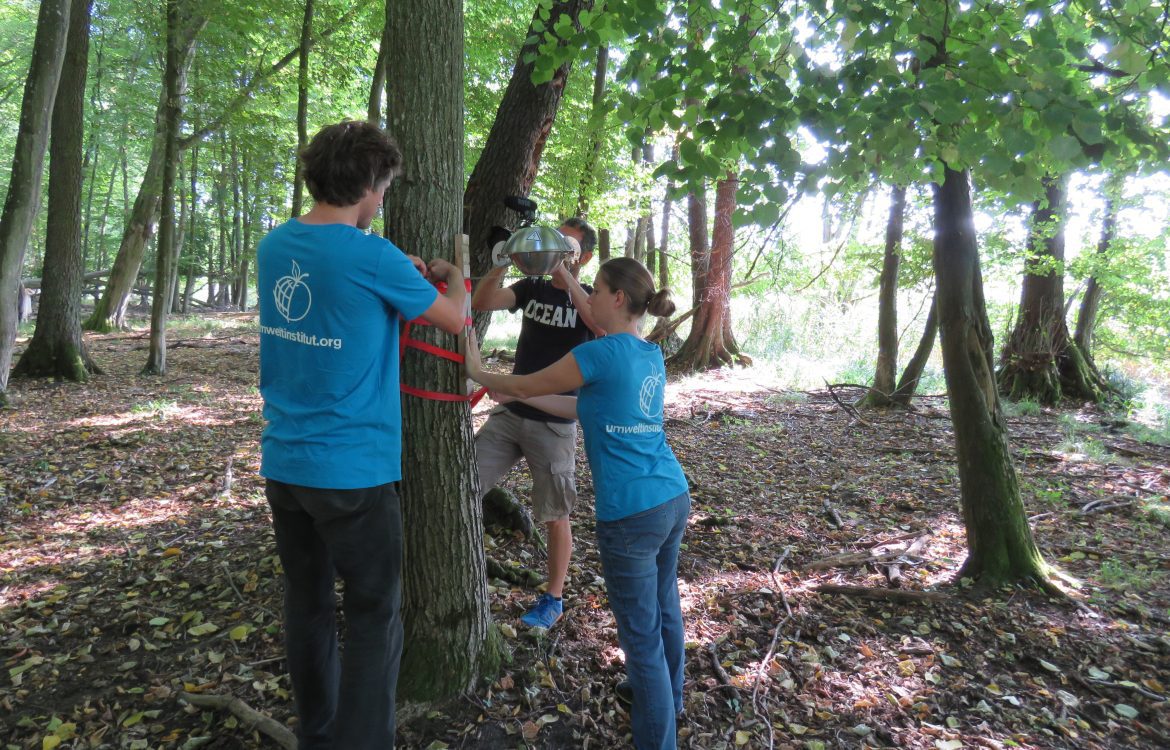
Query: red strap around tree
point(406, 342)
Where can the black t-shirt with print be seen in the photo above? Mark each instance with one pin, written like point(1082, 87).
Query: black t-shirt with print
point(550, 329)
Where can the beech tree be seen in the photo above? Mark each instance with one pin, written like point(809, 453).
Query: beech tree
point(881, 393)
point(711, 342)
point(156, 363)
point(110, 311)
point(21, 204)
point(961, 99)
point(57, 348)
point(448, 641)
point(1041, 361)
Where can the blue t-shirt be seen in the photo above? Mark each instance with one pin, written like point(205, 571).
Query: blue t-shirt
point(330, 296)
point(620, 408)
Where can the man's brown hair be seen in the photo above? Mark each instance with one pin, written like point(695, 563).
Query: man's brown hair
point(345, 159)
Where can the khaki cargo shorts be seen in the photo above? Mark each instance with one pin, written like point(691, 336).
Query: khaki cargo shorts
point(550, 448)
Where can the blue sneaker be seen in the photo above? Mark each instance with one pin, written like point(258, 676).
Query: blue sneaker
point(544, 613)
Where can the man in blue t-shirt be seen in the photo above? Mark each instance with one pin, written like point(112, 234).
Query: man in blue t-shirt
point(330, 299)
point(555, 320)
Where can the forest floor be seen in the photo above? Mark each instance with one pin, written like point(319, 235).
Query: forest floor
point(137, 561)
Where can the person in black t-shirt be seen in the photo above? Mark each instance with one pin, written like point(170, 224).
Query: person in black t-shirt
point(556, 318)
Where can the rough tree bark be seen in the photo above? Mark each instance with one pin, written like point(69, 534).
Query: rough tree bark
point(1041, 361)
point(1000, 548)
point(20, 206)
point(711, 343)
point(881, 392)
point(511, 155)
point(448, 639)
point(57, 348)
point(164, 278)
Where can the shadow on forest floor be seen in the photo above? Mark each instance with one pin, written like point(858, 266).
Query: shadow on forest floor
point(136, 561)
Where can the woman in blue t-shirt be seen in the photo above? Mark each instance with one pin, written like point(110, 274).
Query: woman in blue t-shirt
point(642, 501)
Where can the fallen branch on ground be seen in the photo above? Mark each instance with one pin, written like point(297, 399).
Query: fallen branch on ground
point(724, 680)
point(896, 595)
point(251, 718)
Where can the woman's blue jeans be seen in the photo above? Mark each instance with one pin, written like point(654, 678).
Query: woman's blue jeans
point(639, 555)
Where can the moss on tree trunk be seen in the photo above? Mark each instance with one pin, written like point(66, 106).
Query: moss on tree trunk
point(1000, 548)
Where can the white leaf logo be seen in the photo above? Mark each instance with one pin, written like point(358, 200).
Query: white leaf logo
point(647, 396)
point(293, 298)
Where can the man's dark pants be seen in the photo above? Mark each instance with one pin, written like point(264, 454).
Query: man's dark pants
point(341, 703)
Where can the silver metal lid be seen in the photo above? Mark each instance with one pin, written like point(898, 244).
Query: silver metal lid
point(536, 250)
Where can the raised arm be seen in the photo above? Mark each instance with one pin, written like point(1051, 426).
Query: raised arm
point(489, 295)
point(580, 298)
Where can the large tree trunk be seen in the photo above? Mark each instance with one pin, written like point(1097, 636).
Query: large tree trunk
point(164, 279)
point(110, 311)
point(448, 639)
point(20, 206)
point(1041, 361)
point(302, 104)
point(908, 383)
point(1000, 548)
point(57, 348)
point(1091, 302)
point(881, 393)
point(711, 342)
point(511, 155)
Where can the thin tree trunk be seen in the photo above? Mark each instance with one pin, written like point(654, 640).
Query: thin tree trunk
point(57, 348)
point(20, 205)
point(448, 641)
point(156, 362)
point(103, 258)
point(999, 540)
point(180, 237)
point(667, 207)
point(237, 253)
point(711, 343)
point(1091, 302)
point(881, 393)
point(378, 85)
point(596, 126)
point(110, 311)
point(246, 238)
point(192, 261)
point(1041, 362)
point(302, 104)
point(908, 383)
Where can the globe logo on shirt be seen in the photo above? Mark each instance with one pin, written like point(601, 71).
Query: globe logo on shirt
point(647, 395)
point(293, 298)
